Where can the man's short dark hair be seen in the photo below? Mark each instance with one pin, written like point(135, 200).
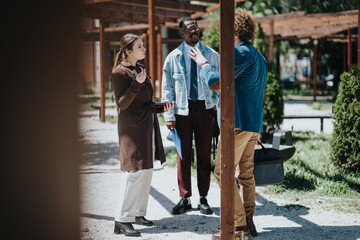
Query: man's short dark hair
point(185, 19)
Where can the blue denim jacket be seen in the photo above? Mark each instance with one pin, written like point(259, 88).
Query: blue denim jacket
point(251, 71)
point(174, 86)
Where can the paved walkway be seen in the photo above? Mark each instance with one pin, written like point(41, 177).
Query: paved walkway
point(300, 107)
point(99, 174)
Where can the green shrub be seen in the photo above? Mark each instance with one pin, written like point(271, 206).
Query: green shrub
point(274, 104)
point(260, 42)
point(345, 141)
point(211, 38)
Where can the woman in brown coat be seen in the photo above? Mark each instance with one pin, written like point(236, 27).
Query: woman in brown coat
point(139, 134)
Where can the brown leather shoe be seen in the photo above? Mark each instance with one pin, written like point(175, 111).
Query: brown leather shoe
point(241, 233)
point(250, 224)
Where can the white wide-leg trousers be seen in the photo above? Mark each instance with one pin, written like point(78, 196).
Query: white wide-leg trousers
point(134, 195)
point(134, 192)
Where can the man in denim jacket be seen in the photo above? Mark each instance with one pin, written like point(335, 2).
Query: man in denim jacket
point(193, 113)
point(251, 71)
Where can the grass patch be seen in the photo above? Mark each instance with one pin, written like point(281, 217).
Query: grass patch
point(161, 118)
point(85, 103)
point(309, 92)
point(310, 177)
point(111, 119)
point(310, 174)
point(295, 92)
point(171, 158)
point(171, 161)
point(321, 106)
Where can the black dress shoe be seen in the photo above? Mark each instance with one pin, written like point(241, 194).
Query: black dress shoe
point(251, 225)
point(126, 228)
point(182, 206)
point(143, 221)
point(204, 207)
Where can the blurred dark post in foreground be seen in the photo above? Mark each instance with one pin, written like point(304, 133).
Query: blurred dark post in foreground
point(40, 150)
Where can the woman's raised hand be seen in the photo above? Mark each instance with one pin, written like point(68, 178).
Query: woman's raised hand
point(140, 78)
point(197, 56)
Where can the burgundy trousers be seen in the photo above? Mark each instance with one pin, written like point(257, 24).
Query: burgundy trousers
point(200, 123)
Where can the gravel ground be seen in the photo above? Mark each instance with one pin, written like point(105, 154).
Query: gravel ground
point(274, 218)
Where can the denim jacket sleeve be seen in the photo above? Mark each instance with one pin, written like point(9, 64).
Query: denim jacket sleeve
point(209, 76)
point(214, 60)
point(167, 89)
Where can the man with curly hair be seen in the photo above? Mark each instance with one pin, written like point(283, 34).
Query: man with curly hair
point(250, 83)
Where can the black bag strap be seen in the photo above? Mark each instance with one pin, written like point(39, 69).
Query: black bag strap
point(262, 146)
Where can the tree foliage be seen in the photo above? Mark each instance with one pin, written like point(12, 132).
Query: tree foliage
point(269, 7)
point(211, 38)
point(345, 143)
point(260, 42)
point(274, 104)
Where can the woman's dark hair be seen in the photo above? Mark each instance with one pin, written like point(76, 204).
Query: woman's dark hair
point(126, 44)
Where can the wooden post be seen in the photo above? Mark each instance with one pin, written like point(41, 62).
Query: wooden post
point(227, 99)
point(358, 45)
point(146, 60)
point(314, 68)
point(321, 125)
point(159, 59)
point(349, 49)
point(319, 68)
point(102, 72)
point(271, 42)
point(344, 57)
point(151, 46)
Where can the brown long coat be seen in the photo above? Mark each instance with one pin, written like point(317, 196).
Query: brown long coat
point(137, 119)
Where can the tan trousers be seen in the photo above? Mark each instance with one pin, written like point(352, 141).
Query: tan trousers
point(244, 164)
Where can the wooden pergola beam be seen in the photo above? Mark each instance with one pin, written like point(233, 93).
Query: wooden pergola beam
point(160, 4)
point(271, 40)
point(315, 69)
point(115, 15)
point(349, 49)
point(211, 9)
point(159, 59)
point(142, 10)
point(102, 71)
point(151, 47)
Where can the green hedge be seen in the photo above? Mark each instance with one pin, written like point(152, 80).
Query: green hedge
point(211, 38)
point(345, 143)
point(274, 105)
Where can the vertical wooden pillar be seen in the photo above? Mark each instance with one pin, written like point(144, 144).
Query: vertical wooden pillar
point(102, 72)
point(159, 59)
point(227, 99)
point(271, 42)
point(314, 68)
point(344, 57)
point(319, 68)
point(349, 49)
point(151, 46)
point(146, 60)
point(358, 42)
